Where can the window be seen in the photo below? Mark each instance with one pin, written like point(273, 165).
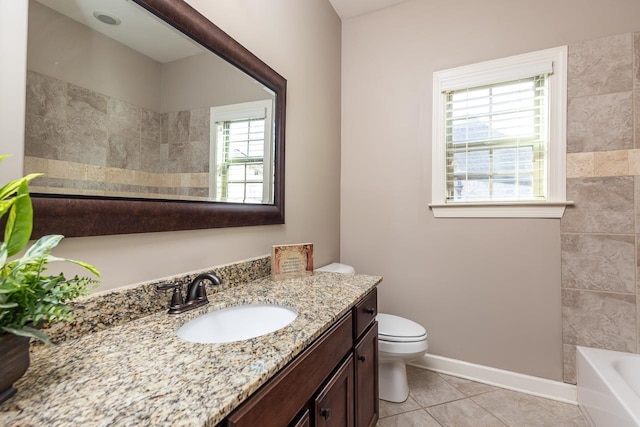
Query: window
point(242, 153)
point(499, 138)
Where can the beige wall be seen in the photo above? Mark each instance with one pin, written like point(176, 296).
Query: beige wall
point(488, 291)
point(206, 81)
point(301, 40)
point(13, 80)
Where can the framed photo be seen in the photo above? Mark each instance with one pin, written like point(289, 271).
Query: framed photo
point(291, 261)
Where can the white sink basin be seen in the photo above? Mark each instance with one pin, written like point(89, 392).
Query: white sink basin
point(237, 323)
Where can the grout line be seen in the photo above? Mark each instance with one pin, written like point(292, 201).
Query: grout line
point(576, 233)
point(599, 291)
point(634, 115)
point(603, 94)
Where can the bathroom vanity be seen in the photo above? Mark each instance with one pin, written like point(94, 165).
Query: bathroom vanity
point(334, 382)
point(320, 370)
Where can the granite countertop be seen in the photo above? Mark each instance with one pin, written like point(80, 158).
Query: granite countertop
point(141, 373)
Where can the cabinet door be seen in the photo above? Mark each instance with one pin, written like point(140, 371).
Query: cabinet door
point(366, 380)
point(334, 404)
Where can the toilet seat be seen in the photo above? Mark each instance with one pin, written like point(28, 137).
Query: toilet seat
point(398, 329)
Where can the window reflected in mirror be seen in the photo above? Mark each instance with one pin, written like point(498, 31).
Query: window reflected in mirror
point(242, 151)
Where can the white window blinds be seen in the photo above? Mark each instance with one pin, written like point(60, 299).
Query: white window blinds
point(499, 138)
point(241, 155)
point(497, 141)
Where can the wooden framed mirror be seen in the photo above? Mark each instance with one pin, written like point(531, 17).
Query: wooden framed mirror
point(78, 212)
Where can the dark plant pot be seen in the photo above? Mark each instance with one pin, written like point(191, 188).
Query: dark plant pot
point(14, 362)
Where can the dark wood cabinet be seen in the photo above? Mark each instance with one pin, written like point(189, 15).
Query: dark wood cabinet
point(366, 378)
point(364, 314)
point(365, 339)
point(304, 420)
point(334, 404)
point(333, 382)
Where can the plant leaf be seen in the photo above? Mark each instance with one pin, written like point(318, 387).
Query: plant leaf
point(8, 305)
point(84, 265)
point(19, 224)
point(12, 186)
point(43, 246)
point(3, 254)
point(5, 205)
point(26, 331)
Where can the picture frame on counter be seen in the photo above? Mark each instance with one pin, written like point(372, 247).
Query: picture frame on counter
point(291, 261)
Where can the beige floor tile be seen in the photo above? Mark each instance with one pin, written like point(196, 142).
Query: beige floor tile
point(428, 388)
point(517, 409)
point(580, 421)
point(467, 387)
point(463, 413)
point(419, 418)
point(456, 402)
point(389, 408)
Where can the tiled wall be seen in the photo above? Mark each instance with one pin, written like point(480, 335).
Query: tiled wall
point(600, 297)
point(89, 143)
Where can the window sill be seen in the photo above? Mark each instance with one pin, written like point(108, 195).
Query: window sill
point(500, 210)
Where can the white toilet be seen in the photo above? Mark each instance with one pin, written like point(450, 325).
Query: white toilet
point(399, 341)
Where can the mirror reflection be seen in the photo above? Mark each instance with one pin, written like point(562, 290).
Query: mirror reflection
point(120, 104)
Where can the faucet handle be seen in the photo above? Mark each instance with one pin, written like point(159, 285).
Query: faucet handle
point(200, 293)
point(177, 302)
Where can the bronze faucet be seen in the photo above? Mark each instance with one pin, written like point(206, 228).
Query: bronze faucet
point(196, 293)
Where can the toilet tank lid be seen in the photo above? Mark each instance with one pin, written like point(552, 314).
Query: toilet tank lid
point(336, 267)
point(396, 326)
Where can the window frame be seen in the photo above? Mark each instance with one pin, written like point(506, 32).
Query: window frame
point(552, 61)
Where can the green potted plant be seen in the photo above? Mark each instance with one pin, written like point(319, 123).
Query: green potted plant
point(28, 296)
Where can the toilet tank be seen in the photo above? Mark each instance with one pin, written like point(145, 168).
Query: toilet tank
point(336, 267)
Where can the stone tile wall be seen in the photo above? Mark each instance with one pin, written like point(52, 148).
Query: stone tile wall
point(89, 143)
point(599, 240)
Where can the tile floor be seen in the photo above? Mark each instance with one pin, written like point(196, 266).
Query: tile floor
point(442, 400)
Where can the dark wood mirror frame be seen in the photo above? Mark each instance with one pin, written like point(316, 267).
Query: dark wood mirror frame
point(75, 216)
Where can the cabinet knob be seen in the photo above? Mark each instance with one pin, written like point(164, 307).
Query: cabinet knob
point(325, 413)
point(362, 358)
point(370, 310)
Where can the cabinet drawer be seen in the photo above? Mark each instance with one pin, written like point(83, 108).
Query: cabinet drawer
point(283, 397)
point(364, 313)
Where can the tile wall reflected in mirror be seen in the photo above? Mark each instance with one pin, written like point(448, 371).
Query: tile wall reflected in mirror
point(89, 143)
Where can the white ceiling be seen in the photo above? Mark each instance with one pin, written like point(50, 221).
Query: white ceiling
point(151, 37)
point(139, 29)
point(350, 8)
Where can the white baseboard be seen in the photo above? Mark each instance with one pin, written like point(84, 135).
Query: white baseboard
point(528, 384)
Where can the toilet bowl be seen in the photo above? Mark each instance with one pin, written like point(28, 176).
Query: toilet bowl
point(399, 340)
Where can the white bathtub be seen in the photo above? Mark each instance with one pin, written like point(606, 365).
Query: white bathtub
point(609, 387)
